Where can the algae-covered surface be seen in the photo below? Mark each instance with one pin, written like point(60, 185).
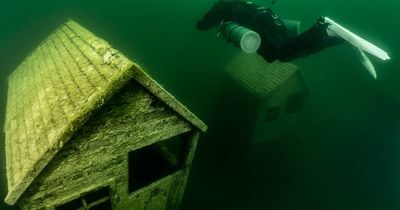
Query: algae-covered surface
point(344, 155)
point(51, 94)
point(70, 75)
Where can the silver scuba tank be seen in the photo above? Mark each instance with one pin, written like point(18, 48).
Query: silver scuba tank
point(249, 41)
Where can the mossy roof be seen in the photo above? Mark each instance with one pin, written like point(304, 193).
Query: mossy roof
point(54, 91)
point(257, 75)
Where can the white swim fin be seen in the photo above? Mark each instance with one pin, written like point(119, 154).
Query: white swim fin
point(355, 40)
point(367, 63)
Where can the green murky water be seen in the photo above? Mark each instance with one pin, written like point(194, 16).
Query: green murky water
point(345, 152)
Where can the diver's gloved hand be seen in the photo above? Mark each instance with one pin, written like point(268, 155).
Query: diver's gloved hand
point(223, 10)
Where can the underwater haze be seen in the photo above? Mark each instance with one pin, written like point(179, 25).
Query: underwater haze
point(343, 155)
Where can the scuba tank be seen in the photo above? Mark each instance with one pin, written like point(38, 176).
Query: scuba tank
point(249, 41)
point(246, 39)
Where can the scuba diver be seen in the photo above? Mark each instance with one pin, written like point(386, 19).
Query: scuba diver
point(254, 28)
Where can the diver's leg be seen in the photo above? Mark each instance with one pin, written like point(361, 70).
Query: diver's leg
point(309, 42)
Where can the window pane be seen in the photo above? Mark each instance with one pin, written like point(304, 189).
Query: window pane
point(72, 205)
point(97, 195)
point(106, 205)
point(156, 161)
point(95, 198)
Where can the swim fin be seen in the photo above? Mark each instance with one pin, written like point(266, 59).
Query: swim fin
point(367, 63)
point(362, 45)
point(355, 40)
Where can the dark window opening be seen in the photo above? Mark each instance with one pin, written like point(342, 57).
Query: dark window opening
point(99, 199)
point(272, 114)
point(156, 161)
point(295, 102)
point(102, 206)
point(75, 204)
point(97, 195)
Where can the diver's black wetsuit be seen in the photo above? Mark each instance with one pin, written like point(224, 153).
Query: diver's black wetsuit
point(277, 42)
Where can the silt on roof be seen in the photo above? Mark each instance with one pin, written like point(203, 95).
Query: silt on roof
point(55, 90)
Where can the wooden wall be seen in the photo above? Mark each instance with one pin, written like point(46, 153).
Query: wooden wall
point(97, 155)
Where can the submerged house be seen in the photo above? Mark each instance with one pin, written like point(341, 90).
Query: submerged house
point(271, 96)
point(86, 128)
